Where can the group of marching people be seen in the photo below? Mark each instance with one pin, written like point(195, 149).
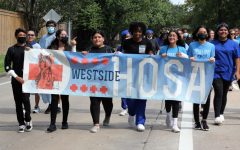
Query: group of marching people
point(221, 50)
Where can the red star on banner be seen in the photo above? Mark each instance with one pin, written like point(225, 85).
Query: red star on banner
point(104, 89)
point(84, 61)
point(74, 60)
point(74, 87)
point(105, 61)
point(93, 89)
point(95, 61)
point(84, 88)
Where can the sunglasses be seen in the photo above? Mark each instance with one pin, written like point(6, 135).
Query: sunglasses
point(30, 35)
point(232, 33)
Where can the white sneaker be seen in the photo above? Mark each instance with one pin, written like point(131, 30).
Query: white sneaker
point(123, 112)
point(169, 121)
point(140, 127)
point(94, 129)
point(222, 118)
point(175, 129)
point(131, 121)
point(36, 109)
point(218, 121)
point(21, 128)
point(29, 126)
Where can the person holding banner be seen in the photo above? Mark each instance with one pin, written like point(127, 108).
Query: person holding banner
point(137, 45)
point(226, 67)
point(98, 39)
point(13, 65)
point(60, 43)
point(201, 50)
point(173, 47)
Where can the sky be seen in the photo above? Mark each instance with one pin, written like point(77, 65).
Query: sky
point(176, 2)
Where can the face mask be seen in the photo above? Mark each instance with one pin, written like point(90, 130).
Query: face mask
point(21, 40)
point(185, 35)
point(64, 39)
point(202, 36)
point(51, 30)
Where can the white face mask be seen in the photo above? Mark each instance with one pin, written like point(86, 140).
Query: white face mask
point(51, 30)
point(185, 35)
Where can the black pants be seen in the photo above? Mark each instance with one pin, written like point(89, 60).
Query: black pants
point(221, 87)
point(174, 105)
point(205, 109)
point(54, 106)
point(95, 107)
point(21, 99)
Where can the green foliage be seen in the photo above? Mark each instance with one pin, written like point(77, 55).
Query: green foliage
point(1, 63)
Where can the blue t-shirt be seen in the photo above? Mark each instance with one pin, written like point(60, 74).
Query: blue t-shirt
point(46, 40)
point(225, 55)
point(201, 51)
point(172, 51)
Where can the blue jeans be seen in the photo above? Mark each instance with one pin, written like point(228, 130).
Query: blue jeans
point(124, 103)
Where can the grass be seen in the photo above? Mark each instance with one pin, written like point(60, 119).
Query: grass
point(1, 63)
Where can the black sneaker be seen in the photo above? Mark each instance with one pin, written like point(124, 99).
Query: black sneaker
point(48, 110)
point(59, 110)
point(51, 128)
point(64, 125)
point(29, 126)
point(204, 125)
point(198, 126)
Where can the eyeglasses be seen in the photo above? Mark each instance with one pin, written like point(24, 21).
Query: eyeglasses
point(232, 33)
point(30, 35)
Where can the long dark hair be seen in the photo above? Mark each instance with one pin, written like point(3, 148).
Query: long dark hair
point(196, 31)
point(55, 42)
point(180, 42)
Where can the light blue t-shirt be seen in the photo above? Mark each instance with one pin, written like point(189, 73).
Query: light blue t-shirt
point(46, 40)
point(201, 51)
point(172, 51)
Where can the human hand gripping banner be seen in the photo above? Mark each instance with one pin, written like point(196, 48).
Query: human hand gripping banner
point(117, 75)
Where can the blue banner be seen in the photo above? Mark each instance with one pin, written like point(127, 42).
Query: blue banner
point(117, 75)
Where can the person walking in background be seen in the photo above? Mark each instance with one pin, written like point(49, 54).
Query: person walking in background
point(137, 45)
point(45, 42)
point(201, 50)
point(13, 65)
point(31, 40)
point(150, 37)
point(173, 47)
point(226, 67)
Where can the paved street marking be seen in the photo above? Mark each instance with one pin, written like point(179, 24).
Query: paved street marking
point(4, 83)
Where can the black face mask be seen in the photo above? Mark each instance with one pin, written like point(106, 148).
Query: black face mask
point(21, 40)
point(202, 36)
point(64, 39)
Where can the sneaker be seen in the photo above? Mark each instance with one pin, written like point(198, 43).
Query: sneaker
point(169, 121)
point(204, 125)
point(175, 129)
point(51, 128)
point(94, 129)
point(48, 110)
point(140, 127)
point(29, 126)
point(123, 112)
point(198, 126)
point(218, 121)
point(230, 88)
point(59, 110)
point(21, 128)
point(222, 118)
point(106, 121)
point(64, 125)
point(36, 109)
point(131, 121)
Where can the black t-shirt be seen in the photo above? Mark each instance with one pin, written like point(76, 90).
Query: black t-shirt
point(132, 47)
point(104, 49)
